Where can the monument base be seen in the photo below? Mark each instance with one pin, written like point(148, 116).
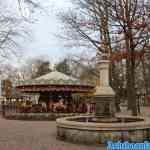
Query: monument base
point(104, 106)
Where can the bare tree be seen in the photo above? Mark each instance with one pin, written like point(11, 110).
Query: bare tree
point(13, 26)
point(115, 27)
point(132, 18)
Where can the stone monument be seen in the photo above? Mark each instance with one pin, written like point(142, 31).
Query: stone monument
point(104, 95)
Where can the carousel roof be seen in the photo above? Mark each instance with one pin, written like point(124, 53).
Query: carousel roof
point(53, 78)
point(55, 75)
point(54, 81)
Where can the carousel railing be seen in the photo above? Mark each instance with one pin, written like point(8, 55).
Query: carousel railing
point(38, 108)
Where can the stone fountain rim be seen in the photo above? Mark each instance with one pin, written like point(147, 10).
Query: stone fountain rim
point(65, 123)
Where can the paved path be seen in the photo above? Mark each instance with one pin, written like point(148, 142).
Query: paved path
point(38, 135)
point(34, 135)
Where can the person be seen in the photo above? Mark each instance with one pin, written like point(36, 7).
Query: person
point(61, 102)
point(44, 107)
point(50, 106)
point(88, 106)
point(3, 108)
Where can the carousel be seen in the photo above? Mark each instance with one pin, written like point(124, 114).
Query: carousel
point(56, 92)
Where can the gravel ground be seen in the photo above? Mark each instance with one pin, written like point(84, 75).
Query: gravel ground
point(34, 135)
point(39, 135)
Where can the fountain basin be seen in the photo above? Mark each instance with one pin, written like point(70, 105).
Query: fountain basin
point(95, 130)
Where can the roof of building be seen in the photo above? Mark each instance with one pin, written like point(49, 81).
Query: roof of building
point(53, 78)
point(54, 81)
point(55, 75)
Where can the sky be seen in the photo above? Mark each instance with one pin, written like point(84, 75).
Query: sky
point(43, 40)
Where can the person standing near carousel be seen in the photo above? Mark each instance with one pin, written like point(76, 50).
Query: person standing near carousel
point(3, 108)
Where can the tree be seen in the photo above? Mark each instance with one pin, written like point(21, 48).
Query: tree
point(113, 26)
point(131, 17)
point(13, 26)
point(37, 67)
point(145, 70)
point(63, 67)
point(43, 67)
point(32, 68)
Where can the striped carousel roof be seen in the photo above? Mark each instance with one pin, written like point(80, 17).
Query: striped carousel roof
point(54, 81)
point(57, 76)
point(53, 78)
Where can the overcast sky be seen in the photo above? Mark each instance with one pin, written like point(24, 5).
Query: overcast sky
point(43, 40)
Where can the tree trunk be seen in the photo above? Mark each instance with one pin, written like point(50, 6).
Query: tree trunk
point(145, 77)
point(128, 85)
point(130, 64)
point(111, 82)
point(133, 90)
